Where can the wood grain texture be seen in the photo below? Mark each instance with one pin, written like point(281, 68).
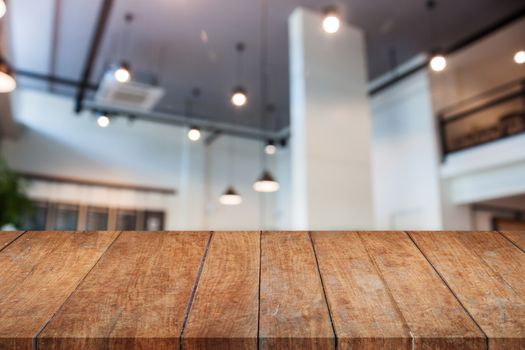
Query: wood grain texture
point(37, 273)
point(364, 313)
point(224, 312)
point(517, 237)
point(479, 268)
point(7, 237)
point(293, 309)
point(135, 298)
point(434, 316)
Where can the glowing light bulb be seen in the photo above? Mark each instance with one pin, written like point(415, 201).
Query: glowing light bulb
point(239, 97)
point(438, 63)
point(331, 23)
point(103, 121)
point(194, 134)
point(7, 82)
point(122, 73)
point(519, 57)
point(3, 8)
point(270, 148)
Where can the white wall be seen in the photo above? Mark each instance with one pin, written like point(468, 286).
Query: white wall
point(405, 157)
point(57, 142)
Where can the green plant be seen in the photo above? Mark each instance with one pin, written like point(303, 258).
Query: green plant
point(14, 204)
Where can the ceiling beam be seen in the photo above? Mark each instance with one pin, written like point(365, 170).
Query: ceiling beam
point(201, 123)
point(94, 47)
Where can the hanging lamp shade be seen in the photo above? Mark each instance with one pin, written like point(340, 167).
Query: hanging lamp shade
point(230, 197)
point(7, 81)
point(266, 183)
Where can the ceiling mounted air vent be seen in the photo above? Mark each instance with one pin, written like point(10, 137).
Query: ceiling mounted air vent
point(132, 95)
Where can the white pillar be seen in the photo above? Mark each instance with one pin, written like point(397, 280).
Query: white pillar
point(330, 125)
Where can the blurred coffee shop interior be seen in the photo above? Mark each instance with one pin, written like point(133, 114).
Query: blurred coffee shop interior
point(262, 114)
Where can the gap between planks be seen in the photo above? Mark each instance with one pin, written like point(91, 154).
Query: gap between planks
point(20, 234)
point(511, 241)
point(194, 289)
point(324, 290)
point(450, 289)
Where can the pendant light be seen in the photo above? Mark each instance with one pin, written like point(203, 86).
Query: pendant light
point(194, 134)
point(331, 21)
point(239, 97)
point(231, 196)
point(103, 120)
point(519, 57)
point(122, 72)
point(7, 81)
point(3, 8)
point(438, 62)
point(266, 183)
point(270, 148)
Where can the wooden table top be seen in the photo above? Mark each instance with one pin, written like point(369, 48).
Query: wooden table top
point(262, 290)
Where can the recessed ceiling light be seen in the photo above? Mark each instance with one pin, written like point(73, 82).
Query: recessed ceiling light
point(438, 63)
point(519, 57)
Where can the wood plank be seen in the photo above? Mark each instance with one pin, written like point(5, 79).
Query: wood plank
point(224, 313)
point(517, 237)
point(487, 294)
point(136, 297)
point(364, 313)
point(7, 237)
point(435, 317)
point(293, 309)
point(37, 273)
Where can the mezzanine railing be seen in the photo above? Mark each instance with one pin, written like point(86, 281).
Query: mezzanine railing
point(496, 114)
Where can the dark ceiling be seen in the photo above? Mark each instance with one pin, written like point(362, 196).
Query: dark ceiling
point(190, 43)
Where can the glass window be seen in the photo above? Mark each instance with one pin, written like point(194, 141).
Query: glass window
point(36, 218)
point(97, 219)
point(126, 220)
point(153, 221)
point(66, 217)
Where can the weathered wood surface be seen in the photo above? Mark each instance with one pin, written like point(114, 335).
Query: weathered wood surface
point(293, 309)
point(6, 237)
point(38, 272)
point(350, 276)
point(224, 312)
point(269, 290)
point(485, 271)
point(135, 297)
point(517, 237)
